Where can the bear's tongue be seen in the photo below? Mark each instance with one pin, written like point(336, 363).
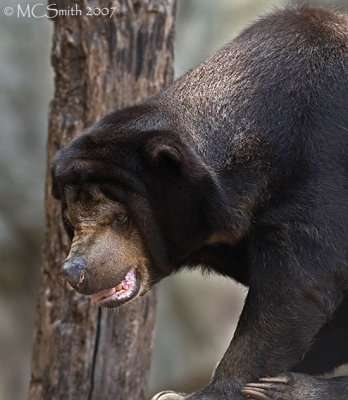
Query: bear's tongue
point(121, 291)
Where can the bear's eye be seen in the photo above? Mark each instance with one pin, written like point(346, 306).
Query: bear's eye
point(121, 219)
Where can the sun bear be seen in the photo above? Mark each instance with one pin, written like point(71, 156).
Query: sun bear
point(238, 167)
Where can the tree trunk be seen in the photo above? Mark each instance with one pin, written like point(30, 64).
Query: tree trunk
point(101, 63)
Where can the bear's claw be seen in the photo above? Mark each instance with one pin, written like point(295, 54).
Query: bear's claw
point(168, 395)
point(267, 388)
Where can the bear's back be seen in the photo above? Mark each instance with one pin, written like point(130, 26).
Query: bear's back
point(282, 81)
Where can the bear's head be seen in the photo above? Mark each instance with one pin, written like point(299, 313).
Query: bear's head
point(136, 204)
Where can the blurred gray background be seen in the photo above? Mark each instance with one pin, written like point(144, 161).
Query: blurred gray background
point(196, 315)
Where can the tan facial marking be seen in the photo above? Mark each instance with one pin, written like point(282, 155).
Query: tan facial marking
point(108, 244)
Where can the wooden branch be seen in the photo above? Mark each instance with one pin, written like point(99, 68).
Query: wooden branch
point(100, 64)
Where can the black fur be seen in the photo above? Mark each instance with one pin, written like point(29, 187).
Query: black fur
point(251, 146)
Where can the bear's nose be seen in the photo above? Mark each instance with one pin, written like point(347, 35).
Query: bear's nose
point(73, 270)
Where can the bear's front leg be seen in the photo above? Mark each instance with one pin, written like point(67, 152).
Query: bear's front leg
point(293, 386)
point(290, 298)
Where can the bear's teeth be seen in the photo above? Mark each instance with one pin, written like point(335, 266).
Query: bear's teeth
point(119, 287)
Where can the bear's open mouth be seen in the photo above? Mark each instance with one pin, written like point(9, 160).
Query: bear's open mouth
point(122, 293)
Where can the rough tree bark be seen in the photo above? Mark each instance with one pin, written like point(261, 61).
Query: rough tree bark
point(101, 64)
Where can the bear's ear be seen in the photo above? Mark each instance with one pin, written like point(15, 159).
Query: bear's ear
point(161, 150)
